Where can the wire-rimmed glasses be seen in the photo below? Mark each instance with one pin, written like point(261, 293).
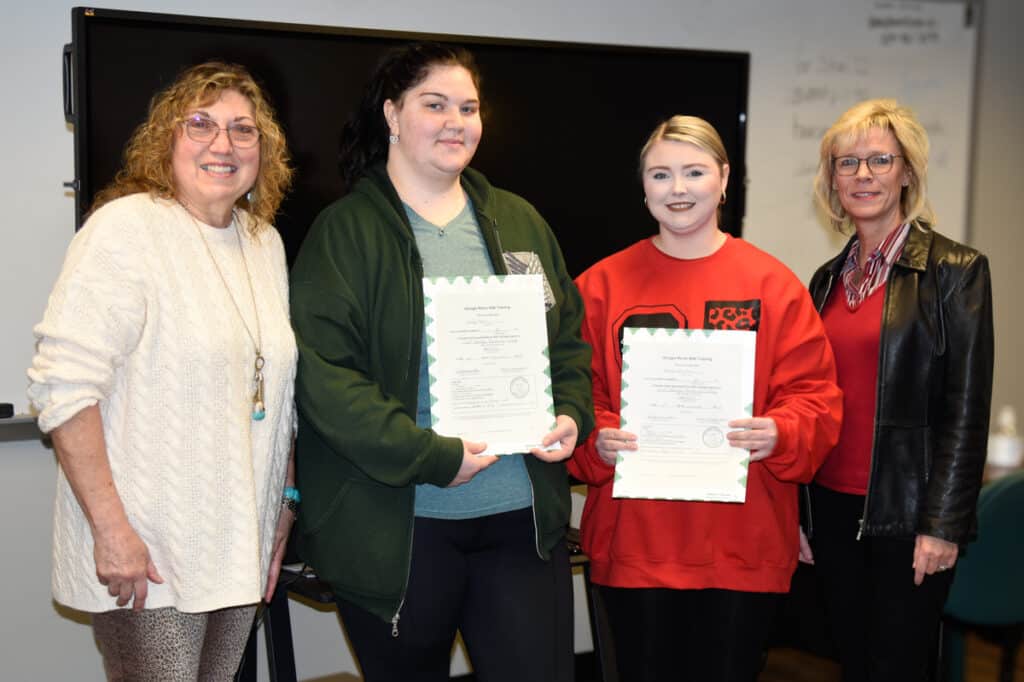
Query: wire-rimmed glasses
point(205, 130)
point(878, 164)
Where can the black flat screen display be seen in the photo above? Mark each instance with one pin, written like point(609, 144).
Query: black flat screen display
point(563, 122)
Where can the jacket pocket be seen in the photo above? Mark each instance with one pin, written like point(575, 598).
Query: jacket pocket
point(360, 544)
point(899, 481)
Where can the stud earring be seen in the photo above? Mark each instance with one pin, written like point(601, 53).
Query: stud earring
point(393, 139)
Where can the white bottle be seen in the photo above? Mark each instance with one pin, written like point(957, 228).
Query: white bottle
point(1005, 448)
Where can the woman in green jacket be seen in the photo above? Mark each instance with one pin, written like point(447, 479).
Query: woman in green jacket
point(418, 535)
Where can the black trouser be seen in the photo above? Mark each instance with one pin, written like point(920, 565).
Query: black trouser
point(884, 626)
point(484, 578)
point(698, 635)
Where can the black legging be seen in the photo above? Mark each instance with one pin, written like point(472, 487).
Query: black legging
point(484, 578)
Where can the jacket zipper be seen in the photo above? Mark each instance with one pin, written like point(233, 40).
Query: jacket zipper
point(394, 618)
point(405, 588)
point(533, 512)
point(405, 378)
point(412, 291)
point(501, 267)
point(417, 275)
point(532, 494)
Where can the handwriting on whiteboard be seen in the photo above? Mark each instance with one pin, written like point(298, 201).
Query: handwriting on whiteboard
point(878, 53)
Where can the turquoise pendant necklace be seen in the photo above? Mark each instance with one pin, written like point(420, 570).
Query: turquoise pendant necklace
point(259, 410)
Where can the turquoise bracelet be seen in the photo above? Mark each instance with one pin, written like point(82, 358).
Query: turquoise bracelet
point(290, 498)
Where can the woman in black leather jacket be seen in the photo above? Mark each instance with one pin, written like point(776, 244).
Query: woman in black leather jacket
point(909, 314)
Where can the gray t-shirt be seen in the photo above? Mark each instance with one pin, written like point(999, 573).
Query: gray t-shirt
point(458, 248)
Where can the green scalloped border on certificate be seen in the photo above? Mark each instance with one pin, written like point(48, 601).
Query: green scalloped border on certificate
point(434, 286)
point(638, 339)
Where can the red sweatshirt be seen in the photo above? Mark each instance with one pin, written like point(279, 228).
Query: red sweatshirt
point(748, 547)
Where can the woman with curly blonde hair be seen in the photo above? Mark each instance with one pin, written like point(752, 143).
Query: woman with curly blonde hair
point(147, 158)
point(164, 371)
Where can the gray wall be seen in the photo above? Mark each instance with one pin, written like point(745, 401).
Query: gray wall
point(42, 642)
point(996, 184)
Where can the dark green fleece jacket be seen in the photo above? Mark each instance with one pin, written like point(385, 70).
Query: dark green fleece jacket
point(357, 309)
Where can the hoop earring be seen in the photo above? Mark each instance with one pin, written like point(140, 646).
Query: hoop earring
point(393, 139)
point(722, 200)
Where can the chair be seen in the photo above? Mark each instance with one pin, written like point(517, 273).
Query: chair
point(277, 627)
point(600, 631)
point(276, 622)
point(988, 590)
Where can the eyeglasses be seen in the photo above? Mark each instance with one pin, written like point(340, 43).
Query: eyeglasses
point(878, 164)
point(202, 129)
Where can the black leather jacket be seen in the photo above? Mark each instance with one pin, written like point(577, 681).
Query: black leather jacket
point(934, 388)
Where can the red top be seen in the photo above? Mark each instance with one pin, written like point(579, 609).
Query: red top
point(752, 546)
point(855, 337)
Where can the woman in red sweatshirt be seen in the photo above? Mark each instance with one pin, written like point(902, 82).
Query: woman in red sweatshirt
point(692, 587)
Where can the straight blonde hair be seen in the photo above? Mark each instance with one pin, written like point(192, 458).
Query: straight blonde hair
point(853, 125)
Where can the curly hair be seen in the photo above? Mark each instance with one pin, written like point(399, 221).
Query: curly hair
point(853, 124)
point(364, 137)
point(147, 157)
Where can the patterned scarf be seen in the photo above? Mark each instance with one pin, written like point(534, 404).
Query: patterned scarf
point(859, 284)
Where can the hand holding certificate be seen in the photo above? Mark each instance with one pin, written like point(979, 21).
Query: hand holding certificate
point(487, 355)
point(680, 389)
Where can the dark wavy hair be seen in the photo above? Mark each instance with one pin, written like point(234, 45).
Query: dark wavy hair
point(148, 156)
point(364, 138)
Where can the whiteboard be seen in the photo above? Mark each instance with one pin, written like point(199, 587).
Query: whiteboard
point(921, 53)
point(810, 61)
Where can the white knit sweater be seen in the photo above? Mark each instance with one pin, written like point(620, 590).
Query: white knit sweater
point(139, 322)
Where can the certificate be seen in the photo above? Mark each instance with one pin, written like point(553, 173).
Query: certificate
point(487, 358)
point(680, 388)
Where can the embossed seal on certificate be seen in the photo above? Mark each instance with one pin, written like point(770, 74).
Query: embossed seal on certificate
point(519, 387)
point(713, 437)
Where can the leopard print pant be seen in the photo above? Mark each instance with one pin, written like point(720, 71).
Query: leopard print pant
point(168, 645)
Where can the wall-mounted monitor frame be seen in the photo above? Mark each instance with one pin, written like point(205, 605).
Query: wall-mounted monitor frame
point(563, 122)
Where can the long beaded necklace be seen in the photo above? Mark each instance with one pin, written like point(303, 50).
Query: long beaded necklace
point(258, 407)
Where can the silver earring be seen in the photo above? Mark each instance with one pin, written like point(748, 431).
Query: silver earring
point(645, 201)
point(392, 138)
